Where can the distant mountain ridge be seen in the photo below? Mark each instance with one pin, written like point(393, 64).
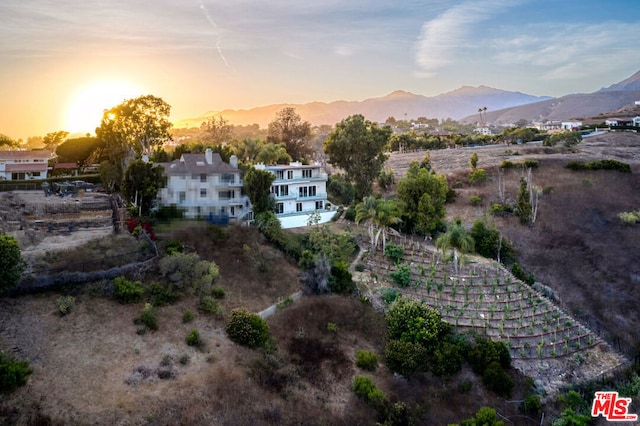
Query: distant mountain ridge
point(574, 106)
point(400, 104)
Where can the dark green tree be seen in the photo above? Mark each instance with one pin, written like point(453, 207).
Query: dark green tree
point(7, 141)
point(141, 184)
point(456, 238)
point(473, 161)
point(289, 129)
point(11, 263)
point(524, 210)
point(257, 185)
point(410, 320)
point(77, 150)
point(358, 147)
point(422, 196)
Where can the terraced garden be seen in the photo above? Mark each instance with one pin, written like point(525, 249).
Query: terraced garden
point(485, 298)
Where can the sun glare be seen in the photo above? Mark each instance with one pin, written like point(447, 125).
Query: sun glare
point(87, 105)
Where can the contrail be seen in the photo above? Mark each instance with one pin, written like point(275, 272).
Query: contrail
point(215, 26)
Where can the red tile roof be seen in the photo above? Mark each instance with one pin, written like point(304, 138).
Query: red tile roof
point(25, 155)
point(26, 167)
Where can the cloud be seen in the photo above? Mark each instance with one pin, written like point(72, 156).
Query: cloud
point(442, 38)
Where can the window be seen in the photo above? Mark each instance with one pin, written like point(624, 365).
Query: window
point(312, 191)
point(182, 196)
point(228, 178)
point(298, 207)
point(318, 205)
point(36, 174)
point(203, 177)
point(289, 174)
point(279, 174)
point(306, 173)
point(284, 189)
point(203, 192)
point(303, 192)
point(279, 208)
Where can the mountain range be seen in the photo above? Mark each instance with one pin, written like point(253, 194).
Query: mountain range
point(460, 104)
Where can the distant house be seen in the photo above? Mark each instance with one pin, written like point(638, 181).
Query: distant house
point(202, 185)
point(24, 165)
point(619, 122)
point(635, 122)
point(548, 125)
point(571, 125)
point(299, 191)
point(483, 130)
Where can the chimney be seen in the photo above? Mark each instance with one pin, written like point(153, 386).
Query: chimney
point(208, 155)
point(233, 160)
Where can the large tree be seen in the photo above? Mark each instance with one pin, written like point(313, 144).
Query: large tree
point(289, 129)
point(358, 147)
point(422, 195)
point(141, 183)
point(77, 150)
point(457, 239)
point(132, 129)
point(7, 141)
point(257, 185)
point(11, 263)
point(54, 139)
point(217, 131)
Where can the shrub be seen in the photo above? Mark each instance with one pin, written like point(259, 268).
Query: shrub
point(532, 404)
point(161, 294)
point(173, 246)
point(485, 352)
point(478, 176)
point(65, 304)
point(11, 263)
point(360, 267)
point(126, 291)
point(599, 165)
point(188, 273)
point(13, 374)
point(520, 274)
point(364, 388)
point(386, 178)
point(218, 292)
point(530, 164)
point(394, 253)
point(350, 213)
point(209, 305)
point(629, 218)
point(446, 359)
point(367, 360)
point(187, 316)
point(193, 338)
point(340, 280)
point(285, 302)
point(247, 328)
point(389, 295)
point(475, 200)
point(495, 378)
point(401, 276)
point(406, 358)
point(497, 209)
point(506, 164)
point(148, 317)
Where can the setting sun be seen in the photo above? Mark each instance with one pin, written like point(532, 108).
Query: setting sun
point(87, 105)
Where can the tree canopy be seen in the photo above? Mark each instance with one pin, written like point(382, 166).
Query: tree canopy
point(54, 139)
point(77, 150)
point(358, 147)
point(141, 184)
point(422, 195)
point(257, 185)
point(217, 131)
point(11, 263)
point(7, 141)
point(289, 129)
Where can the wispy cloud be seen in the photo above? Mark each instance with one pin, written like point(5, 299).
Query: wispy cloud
point(442, 38)
point(215, 27)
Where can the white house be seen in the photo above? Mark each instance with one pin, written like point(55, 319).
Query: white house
point(571, 125)
point(202, 185)
point(24, 165)
point(299, 191)
point(636, 121)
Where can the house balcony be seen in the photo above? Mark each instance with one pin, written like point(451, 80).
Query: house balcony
point(320, 177)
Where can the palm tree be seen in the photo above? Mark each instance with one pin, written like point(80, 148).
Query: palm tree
point(480, 113)
point(485, 113)
point(456, 238)
point(386, 215)
point(366, 212)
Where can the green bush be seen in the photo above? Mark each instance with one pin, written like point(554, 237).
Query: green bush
point(599, 165)
point(126, 291)
point(520, 274)
point(478, 176)
point(148, 317)
point(173, 246)
point(187, 316)
point(160, 294)
point(406, 358)
point(497, 209)
point(11, 263)
point(485, 352)
point(367, 360)
point(530, 164)
point(340, 280)
point(401, 276)
point(364, 388)
point(389, 295)
point(209, 305)
point(13, 374)
point(506, 164)
point(446, 359)
point(193, 338)
point(475, 200)
point(218, 292)
point(360, 267)
point(532, 404)
point(411, 320)
point(629, 218)
point(495, 378)
point(350, 213)
point(247, 328)
point(65, 304)
point(394, 253)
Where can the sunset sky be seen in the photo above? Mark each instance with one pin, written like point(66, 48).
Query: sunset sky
point(62, 59)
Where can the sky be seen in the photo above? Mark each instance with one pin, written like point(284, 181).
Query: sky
point(62, 59)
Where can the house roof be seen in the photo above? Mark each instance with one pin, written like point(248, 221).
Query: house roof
point(65, 166)
point(26, 167)
point(197, 164)
point(25, 155)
